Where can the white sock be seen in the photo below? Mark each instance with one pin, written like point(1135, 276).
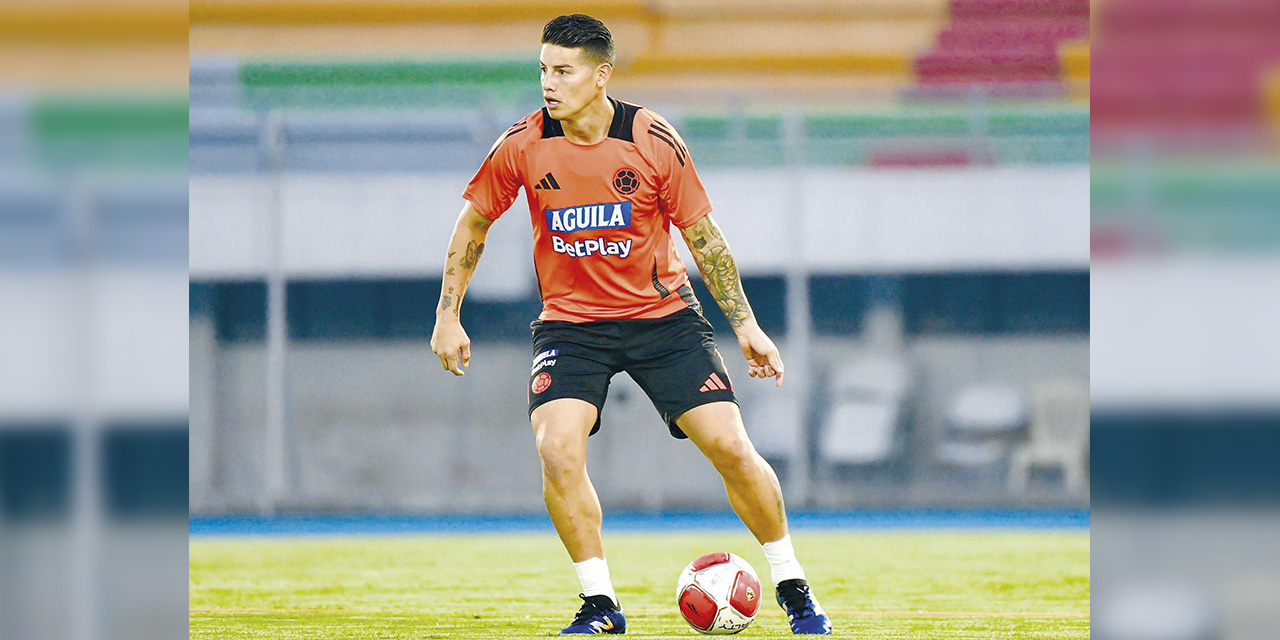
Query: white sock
point(782, 560)
point(593, 573)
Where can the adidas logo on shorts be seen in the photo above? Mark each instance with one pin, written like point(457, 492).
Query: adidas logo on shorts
point(713, 383)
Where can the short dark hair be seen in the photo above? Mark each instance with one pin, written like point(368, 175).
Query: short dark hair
point(580, 31)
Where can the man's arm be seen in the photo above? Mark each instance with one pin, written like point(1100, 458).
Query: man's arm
point(448, 340)
point(720, 274)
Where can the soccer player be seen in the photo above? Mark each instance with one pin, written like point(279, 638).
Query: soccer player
point(605, 181)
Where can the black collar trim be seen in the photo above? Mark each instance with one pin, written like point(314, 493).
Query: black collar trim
point(550, 126)
point(624, 119)
point(622, 127)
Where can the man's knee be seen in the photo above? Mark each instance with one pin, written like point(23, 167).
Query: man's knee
point(560, 434)
point(717, 428)
point(558, 449)
point(731, 451)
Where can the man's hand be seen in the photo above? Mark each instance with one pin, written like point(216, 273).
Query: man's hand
point(761, 354)
point(452, 345)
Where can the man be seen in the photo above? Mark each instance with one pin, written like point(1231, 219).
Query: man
point(605, 180)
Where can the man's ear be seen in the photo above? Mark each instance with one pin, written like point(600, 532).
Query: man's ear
point(603, 73)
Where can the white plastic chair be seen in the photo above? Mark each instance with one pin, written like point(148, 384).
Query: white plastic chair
point(867, 398)
point(1059, 436)
point(980, 422)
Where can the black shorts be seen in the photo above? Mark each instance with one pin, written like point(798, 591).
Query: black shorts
point(674, 360)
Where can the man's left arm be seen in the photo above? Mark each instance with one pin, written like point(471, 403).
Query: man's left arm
point(720, 274)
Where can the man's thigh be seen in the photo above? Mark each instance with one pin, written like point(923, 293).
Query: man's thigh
point(685, 371)
point(567, 366)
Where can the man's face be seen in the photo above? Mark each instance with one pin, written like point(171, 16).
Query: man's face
point(570, 80)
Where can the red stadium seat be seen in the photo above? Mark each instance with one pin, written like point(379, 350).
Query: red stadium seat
point(1003, 41)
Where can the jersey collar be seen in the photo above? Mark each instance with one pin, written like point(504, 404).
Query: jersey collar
point(624, 116)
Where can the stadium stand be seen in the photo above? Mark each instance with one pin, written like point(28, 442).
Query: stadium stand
point(840, 41)
point(436, 55)
point(93, 45)
point(1003, 41)
point(379, 102)
point(1185, 69)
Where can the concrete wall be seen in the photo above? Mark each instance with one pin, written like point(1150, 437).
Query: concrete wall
point(1032, 217)
point(381, 427)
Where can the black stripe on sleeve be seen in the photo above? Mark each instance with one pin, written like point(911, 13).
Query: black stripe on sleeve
point(670, 143)
point(552, 179)
point(667, 130)
point(504, 138)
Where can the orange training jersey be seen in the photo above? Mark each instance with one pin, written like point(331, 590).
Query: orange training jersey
point(601, 213)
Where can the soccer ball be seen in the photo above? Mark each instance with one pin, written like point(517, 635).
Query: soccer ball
point(718, 593)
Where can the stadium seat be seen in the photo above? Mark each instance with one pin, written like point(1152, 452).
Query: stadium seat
point(1075, 59)
point(982, 420)
point(1059, 436)
point(1003, 41)
point(1184, 70)
point(867, 401)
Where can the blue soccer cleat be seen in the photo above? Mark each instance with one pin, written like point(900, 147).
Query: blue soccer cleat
point(598, 614)
point(807, 616)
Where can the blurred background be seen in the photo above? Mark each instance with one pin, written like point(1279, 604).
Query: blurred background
point(1186, 424)
point(93, 360)
point(905, 185)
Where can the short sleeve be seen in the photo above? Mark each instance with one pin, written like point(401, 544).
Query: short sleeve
point(683, 197)
point(497, 183)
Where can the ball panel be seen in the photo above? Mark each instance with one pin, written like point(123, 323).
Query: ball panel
point(709, 560)
point(729, 622)
point(745, 596)
point(698, 608)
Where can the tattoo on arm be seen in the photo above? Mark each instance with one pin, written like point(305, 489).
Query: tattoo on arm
point(720, 272)
point(474, 251)
point(455, 278)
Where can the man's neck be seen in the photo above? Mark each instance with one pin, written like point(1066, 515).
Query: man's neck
point(591, 125)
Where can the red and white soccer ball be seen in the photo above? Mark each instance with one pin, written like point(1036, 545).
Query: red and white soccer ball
point(718, 593)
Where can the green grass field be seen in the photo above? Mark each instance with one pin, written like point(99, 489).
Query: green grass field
point(892, 584)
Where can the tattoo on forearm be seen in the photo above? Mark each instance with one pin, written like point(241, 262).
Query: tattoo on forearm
point(447, 302)
point(474, 251)
point(720, 274)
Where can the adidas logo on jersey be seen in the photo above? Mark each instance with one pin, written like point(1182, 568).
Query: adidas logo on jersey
point(610, 215)
point(548, 182)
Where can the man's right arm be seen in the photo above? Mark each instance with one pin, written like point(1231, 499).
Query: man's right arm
point(448, 340)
